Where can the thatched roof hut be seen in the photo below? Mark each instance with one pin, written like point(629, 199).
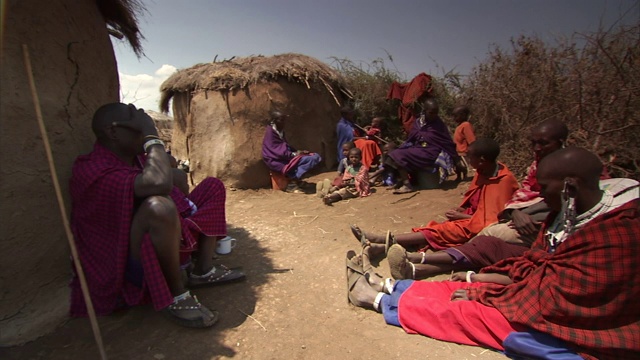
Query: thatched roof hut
point(220, 111)
point(75, 72)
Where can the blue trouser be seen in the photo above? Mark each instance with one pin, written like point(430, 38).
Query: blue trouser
point(305, 164)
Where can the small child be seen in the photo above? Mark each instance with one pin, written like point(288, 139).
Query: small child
point(355, 180)
point(323, 187)
point(346, 147)
point(375, 129)
point(387, 176)
point(462, 136)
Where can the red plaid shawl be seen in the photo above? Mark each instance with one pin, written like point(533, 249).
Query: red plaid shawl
point(586, 293)
point(102, 198)
point(529, 191)
point(361, 179)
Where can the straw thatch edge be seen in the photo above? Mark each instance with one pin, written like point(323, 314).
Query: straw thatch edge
point(122, 17)
point(239, 73)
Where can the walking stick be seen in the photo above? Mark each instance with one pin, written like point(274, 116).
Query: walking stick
point(375, 136)
point(56, 185)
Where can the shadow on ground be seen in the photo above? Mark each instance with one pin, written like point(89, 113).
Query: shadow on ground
point(133, 333)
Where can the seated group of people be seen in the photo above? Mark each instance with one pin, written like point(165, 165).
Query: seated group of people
point(428, 148)
point(549, 270)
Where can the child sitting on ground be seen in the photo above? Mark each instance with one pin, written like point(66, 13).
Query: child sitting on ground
point(355, 180)
point(384, 176)
point(323, 187)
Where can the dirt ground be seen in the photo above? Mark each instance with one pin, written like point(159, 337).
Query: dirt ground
point(293, 304)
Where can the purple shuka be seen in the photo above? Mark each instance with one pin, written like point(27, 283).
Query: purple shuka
point(279, 156)
point(423, 145)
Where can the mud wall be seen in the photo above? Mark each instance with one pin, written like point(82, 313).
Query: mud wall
point(221, 132)
point(75, 72)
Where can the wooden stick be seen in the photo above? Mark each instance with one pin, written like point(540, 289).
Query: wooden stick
point(63, 212)
point(375, 136)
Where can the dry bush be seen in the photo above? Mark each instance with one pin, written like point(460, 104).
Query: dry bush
point(591, 82)
point(369, 84)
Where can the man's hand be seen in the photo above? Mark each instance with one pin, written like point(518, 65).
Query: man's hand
point(138, 120)
point(523, 223)
point(455, 214)
point(460, 294)
point(459, 276)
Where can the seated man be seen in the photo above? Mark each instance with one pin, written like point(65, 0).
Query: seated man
point(428, 146)
point(517, 228)
point(132, 225)
point(491, 187)
point(579, 283)
point(348, 131)
point(281, 157)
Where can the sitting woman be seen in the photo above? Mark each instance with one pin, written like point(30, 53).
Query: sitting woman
point(282, 158)
point(348, 131)
point(428, 146)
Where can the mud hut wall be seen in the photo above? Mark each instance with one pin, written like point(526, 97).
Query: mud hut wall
point(181, 116)
point(75, 72)
point(224, 130)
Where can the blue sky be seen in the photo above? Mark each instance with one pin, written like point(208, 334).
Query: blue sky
point(421, 35)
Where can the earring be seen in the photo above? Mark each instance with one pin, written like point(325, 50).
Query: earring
point(569, 209)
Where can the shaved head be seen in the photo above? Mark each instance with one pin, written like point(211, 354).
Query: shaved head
point(572, 162)
point(556, 129)
point(106, 115)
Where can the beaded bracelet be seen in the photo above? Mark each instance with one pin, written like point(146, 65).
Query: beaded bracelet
point(152, 142)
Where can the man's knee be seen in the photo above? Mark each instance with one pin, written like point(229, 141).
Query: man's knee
point(500, 230)
point(159, 208)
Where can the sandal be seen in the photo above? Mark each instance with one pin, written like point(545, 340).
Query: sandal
point(353, 278)
point(355, 230)
point(219, 274)
point(404, 189)
point(352, 268)
point(189, 312)
point(399, 264)
point(361, 236)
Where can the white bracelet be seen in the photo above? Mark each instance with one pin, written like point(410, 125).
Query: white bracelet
point(152, 142)
point(469, 273)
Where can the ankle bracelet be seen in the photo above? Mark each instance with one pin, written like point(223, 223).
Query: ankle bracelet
point(376, 302)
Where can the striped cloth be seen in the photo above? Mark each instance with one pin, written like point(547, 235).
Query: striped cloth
point(102, 196)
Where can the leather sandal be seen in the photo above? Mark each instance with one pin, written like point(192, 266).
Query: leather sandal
point(189, 312)
point(218, 275)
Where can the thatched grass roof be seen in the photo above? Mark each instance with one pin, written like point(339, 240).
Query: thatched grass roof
point(121, 17)
point(238, 73)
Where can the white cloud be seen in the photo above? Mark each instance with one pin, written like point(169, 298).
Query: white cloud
point(143, 90)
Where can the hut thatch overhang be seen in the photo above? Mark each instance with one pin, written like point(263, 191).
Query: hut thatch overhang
point(238, 73)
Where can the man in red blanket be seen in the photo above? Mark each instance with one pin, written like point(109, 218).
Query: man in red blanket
point(575, 291)
point(133, 227)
